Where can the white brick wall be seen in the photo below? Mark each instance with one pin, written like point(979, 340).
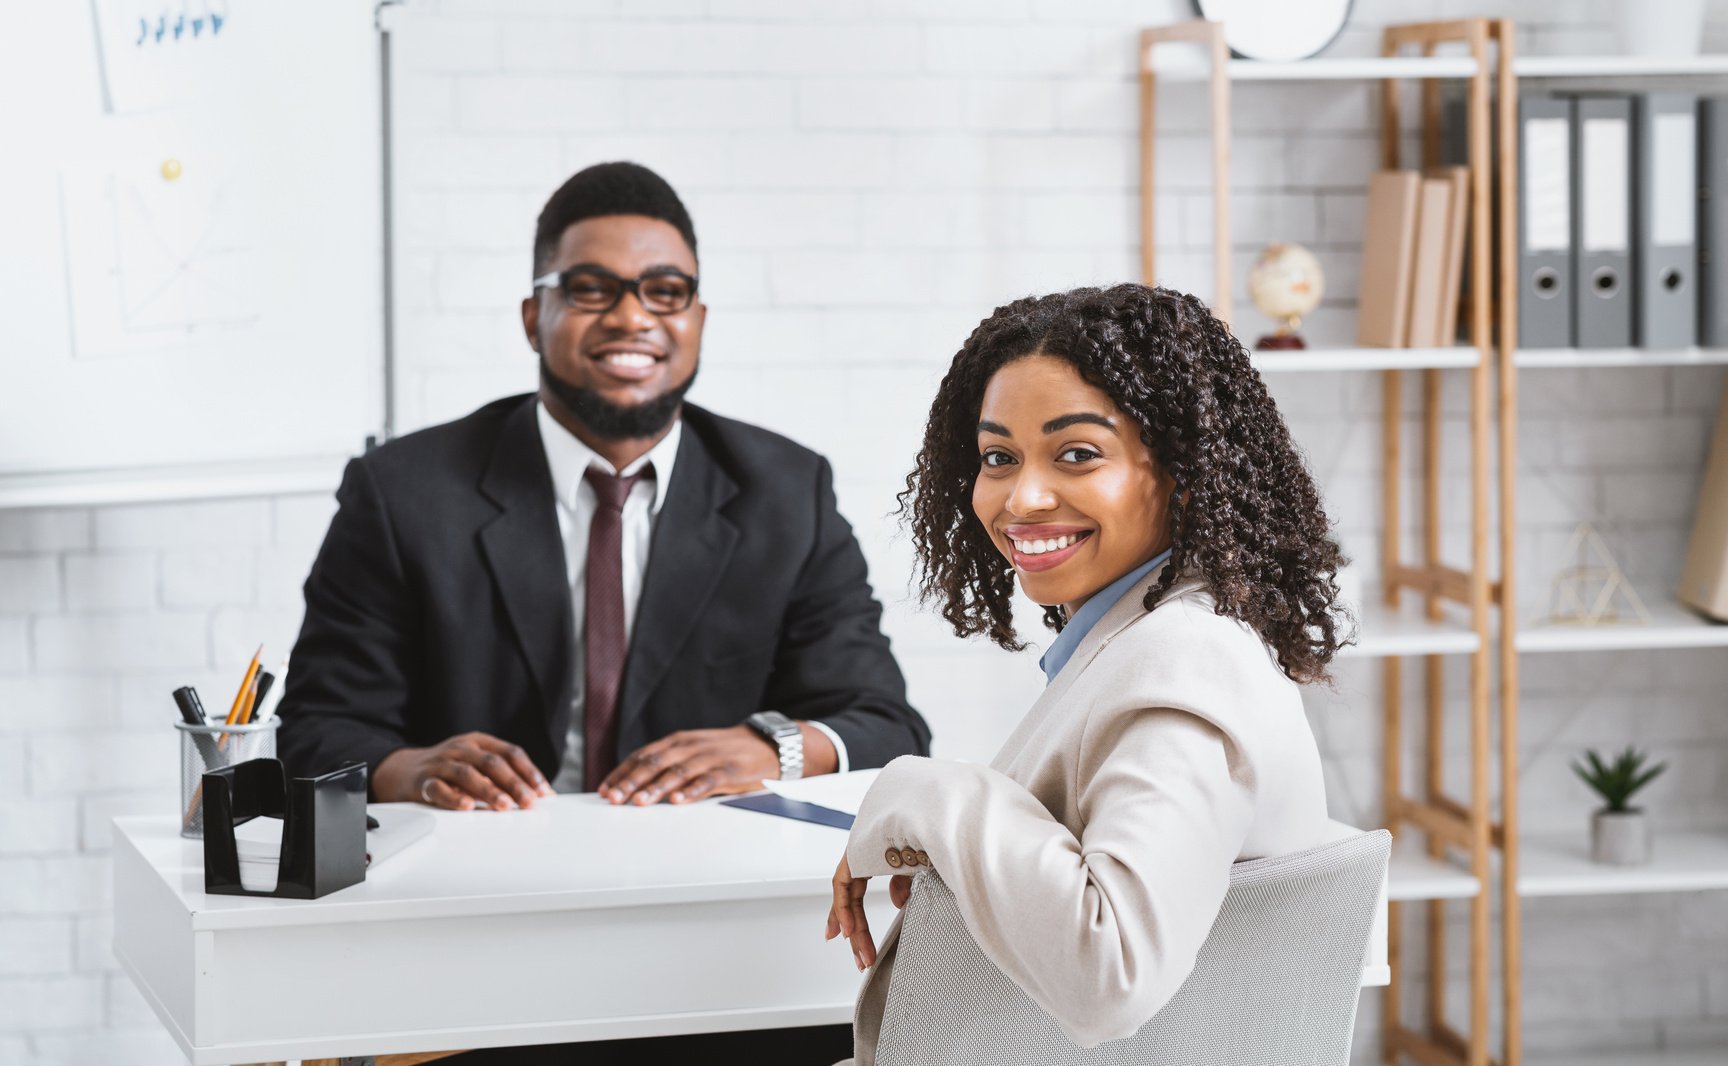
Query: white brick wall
point(868, 179)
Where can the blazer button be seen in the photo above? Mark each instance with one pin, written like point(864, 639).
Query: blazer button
point(923, 859)
point(893, 857)
point(909, 857)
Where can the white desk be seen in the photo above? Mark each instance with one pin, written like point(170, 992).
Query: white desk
point(572, 921)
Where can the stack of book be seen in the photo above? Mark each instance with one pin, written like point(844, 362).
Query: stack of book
point(1413, 258)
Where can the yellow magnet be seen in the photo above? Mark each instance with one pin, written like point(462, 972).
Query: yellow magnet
point(170, 169)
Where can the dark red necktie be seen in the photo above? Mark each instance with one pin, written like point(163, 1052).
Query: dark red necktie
point(603, 623)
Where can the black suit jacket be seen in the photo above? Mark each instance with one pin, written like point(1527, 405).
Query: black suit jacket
point(439, 602)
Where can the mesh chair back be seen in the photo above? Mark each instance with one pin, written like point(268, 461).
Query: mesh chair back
point(1275, 984)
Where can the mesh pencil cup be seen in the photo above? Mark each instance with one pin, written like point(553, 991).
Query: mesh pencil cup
point(210, 747)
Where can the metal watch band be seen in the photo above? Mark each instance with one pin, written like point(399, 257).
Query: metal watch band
point(786, 737)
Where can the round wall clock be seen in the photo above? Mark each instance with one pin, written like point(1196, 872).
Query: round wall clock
point(1277, 31)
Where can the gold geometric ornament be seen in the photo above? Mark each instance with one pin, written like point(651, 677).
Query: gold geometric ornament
point(1595, 592)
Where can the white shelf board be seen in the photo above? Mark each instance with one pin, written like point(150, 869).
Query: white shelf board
point(1567, 358)
point(1703, 1056)
point(1316, 359)
point(1191, 67)
point(158, 484)
point(1413, 874)
point(1671, 626)
point(1407, 631)
point(1556, 865)
point(1616, 66)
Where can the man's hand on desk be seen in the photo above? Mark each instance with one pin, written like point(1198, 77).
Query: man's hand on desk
point(695, 763)
point(464, 770)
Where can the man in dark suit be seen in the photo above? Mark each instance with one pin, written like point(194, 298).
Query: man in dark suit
point(598, 586)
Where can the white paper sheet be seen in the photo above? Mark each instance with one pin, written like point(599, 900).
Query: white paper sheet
point(837, 792)
point(259, 842)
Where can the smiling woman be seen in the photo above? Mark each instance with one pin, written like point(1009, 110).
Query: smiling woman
point(1074, 501)
point(1115, 453)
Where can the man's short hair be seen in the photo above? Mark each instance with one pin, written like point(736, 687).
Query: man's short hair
point(608, 189)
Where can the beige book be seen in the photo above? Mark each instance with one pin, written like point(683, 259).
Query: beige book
point(1383, 303)
point(1704, 582)
point(1457, 225)
point(1428, 266)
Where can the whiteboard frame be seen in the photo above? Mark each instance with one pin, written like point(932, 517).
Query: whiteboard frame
point(314, 474)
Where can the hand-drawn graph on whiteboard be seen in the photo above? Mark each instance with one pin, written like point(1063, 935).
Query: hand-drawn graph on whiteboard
point(160, 253)
point(157, 53)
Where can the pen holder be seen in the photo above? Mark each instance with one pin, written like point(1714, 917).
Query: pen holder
point(204, 748)
point(323, 827)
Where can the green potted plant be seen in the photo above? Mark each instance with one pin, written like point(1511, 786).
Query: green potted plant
point(1619, 834)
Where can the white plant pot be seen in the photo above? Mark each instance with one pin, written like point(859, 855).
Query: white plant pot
point(1620, 839)
point(1666, 28)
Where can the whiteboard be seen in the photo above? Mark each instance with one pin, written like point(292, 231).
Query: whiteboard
point(191, 262)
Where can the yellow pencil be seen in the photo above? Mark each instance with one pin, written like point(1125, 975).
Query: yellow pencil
point(245, 685)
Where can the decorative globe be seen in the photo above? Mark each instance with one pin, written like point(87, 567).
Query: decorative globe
point(1286, 283)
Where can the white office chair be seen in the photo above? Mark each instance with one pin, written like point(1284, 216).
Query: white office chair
point(1275, 984)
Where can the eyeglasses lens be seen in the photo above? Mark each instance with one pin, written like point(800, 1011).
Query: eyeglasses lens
point(660, 293)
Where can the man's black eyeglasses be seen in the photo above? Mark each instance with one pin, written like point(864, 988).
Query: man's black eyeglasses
point(596, 290)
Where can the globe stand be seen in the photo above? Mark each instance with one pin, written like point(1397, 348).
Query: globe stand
point(1281, 342)
point(1283, 339)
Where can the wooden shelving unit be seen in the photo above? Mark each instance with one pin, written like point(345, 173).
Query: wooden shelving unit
point(1559, 865)
point(1641, 1057)
point(1587, 358)
point(1350, 359)
point(1549, 865)
point(1618, 66)
point(1410, 630)
point(1670, 626)
point(1414, 875)
point(1454, 859)
point(1462, 855)
point(1367, 68)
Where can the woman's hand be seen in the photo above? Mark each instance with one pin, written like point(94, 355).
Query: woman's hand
point(846, 917)
point(900, 890)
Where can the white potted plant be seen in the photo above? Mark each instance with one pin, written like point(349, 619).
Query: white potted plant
point(1619, 834)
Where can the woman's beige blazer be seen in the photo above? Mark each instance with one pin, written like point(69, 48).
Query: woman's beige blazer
point(1091, 856)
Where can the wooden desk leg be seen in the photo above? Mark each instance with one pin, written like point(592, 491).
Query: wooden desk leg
point(414, 1058)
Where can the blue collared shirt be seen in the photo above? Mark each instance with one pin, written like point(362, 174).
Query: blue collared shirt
point(1068, 641)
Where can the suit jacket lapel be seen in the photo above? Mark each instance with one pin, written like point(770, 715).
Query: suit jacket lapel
point(1123, 613)
point(525, 554)
point(692, 542)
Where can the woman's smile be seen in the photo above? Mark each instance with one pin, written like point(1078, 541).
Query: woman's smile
point(1040, 548)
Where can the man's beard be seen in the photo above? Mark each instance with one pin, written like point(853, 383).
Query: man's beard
point(608, 420)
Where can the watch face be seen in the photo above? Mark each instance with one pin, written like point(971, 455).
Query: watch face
point(773, 723)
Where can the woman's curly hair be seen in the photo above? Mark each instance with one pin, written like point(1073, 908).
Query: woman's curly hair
point(1245, 514)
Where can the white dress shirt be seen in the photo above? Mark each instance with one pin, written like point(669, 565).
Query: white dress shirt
point(568, 458)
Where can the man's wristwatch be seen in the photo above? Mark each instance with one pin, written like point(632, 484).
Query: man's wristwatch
point(783, 733)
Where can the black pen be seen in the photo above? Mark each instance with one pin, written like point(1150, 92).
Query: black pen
point(191, 707)
point(192, 710)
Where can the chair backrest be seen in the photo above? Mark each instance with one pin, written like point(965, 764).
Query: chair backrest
point(1275, 984)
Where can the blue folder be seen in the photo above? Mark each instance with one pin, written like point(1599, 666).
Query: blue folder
point(769, 803)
